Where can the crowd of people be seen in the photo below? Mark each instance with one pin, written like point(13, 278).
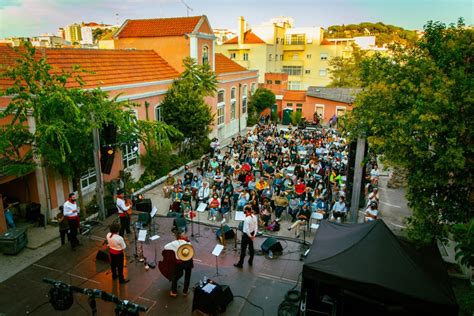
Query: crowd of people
point(277, 172)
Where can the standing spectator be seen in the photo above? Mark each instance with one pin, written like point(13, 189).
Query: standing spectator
point(71, 212)
point(63, 225)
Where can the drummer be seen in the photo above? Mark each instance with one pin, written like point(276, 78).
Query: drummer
point(184, 253)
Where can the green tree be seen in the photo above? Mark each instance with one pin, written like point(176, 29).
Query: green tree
point(416, 109)
point(345, 72)
point(261, 99)
point(184, 106)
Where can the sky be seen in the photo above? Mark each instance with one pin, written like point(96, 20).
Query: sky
point(36, 17)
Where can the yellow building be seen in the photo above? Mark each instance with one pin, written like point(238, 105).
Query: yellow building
point(302, 53)
point(72, 33)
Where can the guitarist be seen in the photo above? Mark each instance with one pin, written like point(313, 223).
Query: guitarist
point(124, 212)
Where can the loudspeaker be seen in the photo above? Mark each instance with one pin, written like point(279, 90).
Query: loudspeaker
point(271, 244)
point(107, 155)
point(228, 232)
point(180, 224)
point(143, 205)
point(226, 298)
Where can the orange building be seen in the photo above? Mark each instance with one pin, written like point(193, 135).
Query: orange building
point(181, 37)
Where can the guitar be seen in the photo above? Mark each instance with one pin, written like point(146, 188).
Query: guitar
point(128, 202)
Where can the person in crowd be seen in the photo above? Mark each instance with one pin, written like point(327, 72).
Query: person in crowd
point(169, 185)
point(249, 233)
point(203, 193)
point(303, 217)
point(372, 212)
point(339, 209)
point(116, 249)
point(214, 206)
point(188, 176)
point(281, 203)
point(71, 212)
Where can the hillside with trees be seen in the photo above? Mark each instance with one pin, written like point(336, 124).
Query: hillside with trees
point(385, 33)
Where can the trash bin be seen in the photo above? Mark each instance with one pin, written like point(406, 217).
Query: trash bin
point(13, 241)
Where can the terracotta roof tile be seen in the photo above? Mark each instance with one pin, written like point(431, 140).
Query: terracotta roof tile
point(158, 27)
point(249, 38)
point(295, 95)
point(226, 65)
point(105, 67)
point(327, 42)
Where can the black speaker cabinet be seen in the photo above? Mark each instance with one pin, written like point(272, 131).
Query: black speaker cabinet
point(143, 205)
point(179, 223)
point(271, 244)
point(228, 232)
point(225, 298)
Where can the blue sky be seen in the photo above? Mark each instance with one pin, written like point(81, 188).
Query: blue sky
point(34, 17)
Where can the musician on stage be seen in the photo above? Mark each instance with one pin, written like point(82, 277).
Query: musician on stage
point(184, 253)
point(248, 235)
point(124, 211)
point(116, 248)
point(71, 212)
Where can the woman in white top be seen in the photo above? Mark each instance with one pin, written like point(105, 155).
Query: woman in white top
point(116, 247)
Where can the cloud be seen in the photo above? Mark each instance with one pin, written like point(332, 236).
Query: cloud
point(9, 3)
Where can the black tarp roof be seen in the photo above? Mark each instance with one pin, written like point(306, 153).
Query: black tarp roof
point(370, 260)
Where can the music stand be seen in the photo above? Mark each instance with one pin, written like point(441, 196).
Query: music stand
point(216, 252)
point(200, 209)
point(153, 212)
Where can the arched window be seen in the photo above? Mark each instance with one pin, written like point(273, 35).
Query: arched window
point(205, 54)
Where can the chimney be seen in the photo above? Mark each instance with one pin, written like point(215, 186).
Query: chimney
point(241, 30)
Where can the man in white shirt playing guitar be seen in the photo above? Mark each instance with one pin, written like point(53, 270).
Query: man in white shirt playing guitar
point(124, 211)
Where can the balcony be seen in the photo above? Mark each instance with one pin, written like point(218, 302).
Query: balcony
point(294, 47)
point(291, 62)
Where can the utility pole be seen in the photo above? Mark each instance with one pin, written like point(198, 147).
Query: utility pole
point(99, 188)
point(357, 180)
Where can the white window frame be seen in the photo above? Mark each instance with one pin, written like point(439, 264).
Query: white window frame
point(323, 56)
point(232, 55)
point(220, 106)
point(221, 114)
point(245, 56)
point(294, 85)
point(233, 102)
point(320, 106)
point(129, 155)
point(88, 176)
point(323, 72)
point(253, 88)
point(244, 98)
point(160, 116)
point(340, 107)
point(205, 48)
point(292, 70)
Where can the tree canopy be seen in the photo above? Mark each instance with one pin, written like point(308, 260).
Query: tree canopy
point(184, 106)
point(261, 99)
point(385, 33)
point(416, 110)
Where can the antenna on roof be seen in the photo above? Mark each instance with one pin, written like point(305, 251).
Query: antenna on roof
point(188, 8)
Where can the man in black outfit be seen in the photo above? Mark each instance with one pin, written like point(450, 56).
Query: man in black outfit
point(248, 236)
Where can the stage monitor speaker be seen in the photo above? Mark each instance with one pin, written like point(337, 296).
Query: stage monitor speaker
point(272, 244)
point(228, 232)
point(226, 297)
point(180, 224)
point(143, 205)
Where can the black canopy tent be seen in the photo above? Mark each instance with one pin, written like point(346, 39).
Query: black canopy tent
point(365, 266)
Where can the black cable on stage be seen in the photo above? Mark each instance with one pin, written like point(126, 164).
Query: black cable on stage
point(36, 308)
point(255, 305)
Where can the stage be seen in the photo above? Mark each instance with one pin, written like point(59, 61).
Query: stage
point(264, 284)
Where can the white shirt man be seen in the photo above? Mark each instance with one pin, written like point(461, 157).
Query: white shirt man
point(70, 208)
point(116, 242)
point(203, 193)
point(249, 232)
